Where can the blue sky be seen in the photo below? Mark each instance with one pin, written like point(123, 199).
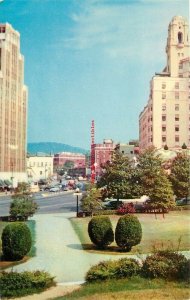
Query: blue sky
point(89, 59)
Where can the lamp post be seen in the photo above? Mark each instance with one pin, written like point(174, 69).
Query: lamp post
point(77, 194)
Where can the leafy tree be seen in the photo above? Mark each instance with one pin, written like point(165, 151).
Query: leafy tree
point(91, 199)
point(23, 205)
point(153, 180)
point(68, 164)
point(100, 231)
point(180, 175)
point(116, 177)
point(184, 146)
point(128, 232)
point(16, 241)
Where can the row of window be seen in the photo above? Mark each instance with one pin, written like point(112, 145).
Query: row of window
point(176, 95)
point(38, 164)
point(176, 85)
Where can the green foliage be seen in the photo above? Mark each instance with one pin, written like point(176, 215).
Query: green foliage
point(180, 175)
point(122, 268)
point(166, 264)
point(165, 147)
point(16, 241)
point(91, 200)
point(21, 208)
point(15, 284)
point(23, 205)
point(153, 180)
point(184, 146)
point(100, 231)
point(128, 232)
point(116, 177)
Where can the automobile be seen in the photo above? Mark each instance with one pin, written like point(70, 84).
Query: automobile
point(183, 201)
point(112, 204)
point(54, 189)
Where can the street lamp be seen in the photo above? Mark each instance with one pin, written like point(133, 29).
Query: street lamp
point(77, 194)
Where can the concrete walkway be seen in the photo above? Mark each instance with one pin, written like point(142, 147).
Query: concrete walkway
point(59, 251)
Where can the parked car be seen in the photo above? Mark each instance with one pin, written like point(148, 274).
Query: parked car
point(183, 201)
point(112, 204)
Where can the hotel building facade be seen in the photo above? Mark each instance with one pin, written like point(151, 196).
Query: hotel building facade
point(13, 107)
point(165, 119)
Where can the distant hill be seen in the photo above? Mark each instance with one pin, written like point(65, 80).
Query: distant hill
point(51, 147)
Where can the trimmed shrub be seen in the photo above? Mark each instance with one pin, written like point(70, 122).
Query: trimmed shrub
point(15, 284)
point(100, 231)
point(127, 268)
point(128, 232)
point(166, 264)
point(110, 269)
point(16, 241)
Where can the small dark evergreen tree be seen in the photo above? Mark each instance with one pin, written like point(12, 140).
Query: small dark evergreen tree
point(100, 231)
point(16, 241)
point(128, 232)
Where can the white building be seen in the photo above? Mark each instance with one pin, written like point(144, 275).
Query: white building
point(13, 107)
point(39, 167)
point(165, 119)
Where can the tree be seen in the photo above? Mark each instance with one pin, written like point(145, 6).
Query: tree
point(153, 180)
point(116, 176)
point(16, 241)
point(128, 232)
point(100, 231)
point(91, 200)
point(23, 205)
point(68, 165)
point(180, 175)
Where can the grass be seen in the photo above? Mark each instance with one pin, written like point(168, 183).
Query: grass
point(6, 264)
point(171, 231)
point(132, 289)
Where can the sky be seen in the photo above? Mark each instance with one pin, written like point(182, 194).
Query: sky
point(89, 60)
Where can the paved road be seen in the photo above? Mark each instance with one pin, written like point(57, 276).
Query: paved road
point(48, 203)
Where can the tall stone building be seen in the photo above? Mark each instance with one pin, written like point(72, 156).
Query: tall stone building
point(165, 119)
point(13, 107)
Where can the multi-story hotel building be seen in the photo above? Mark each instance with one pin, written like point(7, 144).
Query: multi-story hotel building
point(13, 106)
point(165, 119)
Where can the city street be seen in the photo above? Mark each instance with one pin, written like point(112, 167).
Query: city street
point(47, 202)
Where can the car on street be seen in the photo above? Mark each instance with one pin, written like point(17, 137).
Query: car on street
point(54, 189)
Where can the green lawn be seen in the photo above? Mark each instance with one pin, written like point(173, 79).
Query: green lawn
point(158, 232)
point(131, 289)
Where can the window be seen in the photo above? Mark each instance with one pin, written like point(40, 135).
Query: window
point(163, 138)
point(163, 107)
point(163, 117)
point(176, 138)
point(163, 95)
point(177, 85)
point(176, 95)
point(163, 85)
point(180, 37)
point(180, 66)
point(177, 107)
point(40, 172)
point(163, 128)
point(176, 117)
point(177, 128)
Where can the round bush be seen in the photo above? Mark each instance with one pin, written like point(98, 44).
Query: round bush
point(166, 264)
point(127, 267)
point(16, 241)
point(128, 232)
point(100, 231)
point(122, 268)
